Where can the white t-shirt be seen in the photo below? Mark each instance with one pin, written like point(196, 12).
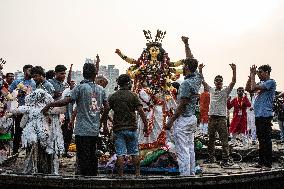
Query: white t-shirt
point(218, 101)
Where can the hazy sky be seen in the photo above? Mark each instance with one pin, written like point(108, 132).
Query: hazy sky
point(51, 32)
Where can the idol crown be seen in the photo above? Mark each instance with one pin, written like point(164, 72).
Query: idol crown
point(158, 38)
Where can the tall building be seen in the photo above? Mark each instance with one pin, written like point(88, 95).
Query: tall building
point(103, 71)
point(19, 74)
point(112, 75)
point(109, 72)
point(77, 76)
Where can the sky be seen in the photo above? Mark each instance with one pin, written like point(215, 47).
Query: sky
point(52, 32)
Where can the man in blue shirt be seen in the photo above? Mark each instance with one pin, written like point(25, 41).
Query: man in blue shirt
point(58, 81)
point(184, 121)
point(38, 75)
point(263, 107)
point(28, 83)
point(24, 86)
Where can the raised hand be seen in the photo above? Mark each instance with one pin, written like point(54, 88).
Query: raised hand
point(233, 66)
point(253, 69)
point(69, 74)
point(201, 66)
point(98, 58)
point(117, 51)
point(184, 39)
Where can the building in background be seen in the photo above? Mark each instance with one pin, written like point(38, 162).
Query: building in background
point(111, 73)
point(19, 74)
point(77, 76)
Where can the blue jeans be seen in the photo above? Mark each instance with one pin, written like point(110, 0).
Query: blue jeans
point(126, 142)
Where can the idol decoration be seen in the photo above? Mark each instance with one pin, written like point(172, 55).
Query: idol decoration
point(153, 74)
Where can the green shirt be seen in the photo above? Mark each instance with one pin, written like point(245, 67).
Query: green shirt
point(124, 103)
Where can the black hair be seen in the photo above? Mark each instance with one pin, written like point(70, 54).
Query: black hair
point(50, 74)
point(100, 78)
point(27, 67)
point(160, 56)
point(191, 64)
point(123, 79)
point(218, 77)
point(9, 73)
point(60, 68)
point(240, 88)
point(89, 71)
point(175, 85)
point(37, 70)
point(116, 88)
point(265, 68)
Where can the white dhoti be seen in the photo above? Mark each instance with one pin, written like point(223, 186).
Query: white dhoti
point(184, 129)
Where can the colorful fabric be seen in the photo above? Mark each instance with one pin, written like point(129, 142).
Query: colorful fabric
point(24, 87)
point(239, 121)
point(152, 157)
point(156, 115)
point(204, 101)
point(6, 136)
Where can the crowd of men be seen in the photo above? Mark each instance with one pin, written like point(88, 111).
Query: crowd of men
point(87, 105)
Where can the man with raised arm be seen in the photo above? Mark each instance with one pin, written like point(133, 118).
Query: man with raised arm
point(184, 121)
point(217, 115)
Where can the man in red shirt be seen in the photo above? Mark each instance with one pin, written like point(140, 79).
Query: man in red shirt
point(239, 121)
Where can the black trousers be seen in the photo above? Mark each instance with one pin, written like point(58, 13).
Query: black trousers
point(86, 155)
point(17, 133)
point(263, 132)
point(67, 134)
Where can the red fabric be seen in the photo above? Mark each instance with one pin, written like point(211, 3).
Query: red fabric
point(204, 101)
point(174, 93)
point(239, 122)
point(161, 139)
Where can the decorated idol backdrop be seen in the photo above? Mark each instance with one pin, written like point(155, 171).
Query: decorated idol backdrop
point(153, 73)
